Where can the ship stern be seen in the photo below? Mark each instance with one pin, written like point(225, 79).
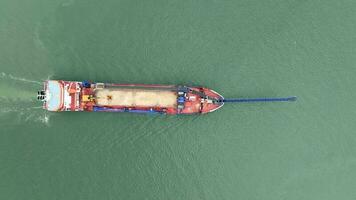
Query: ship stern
point(51, 95)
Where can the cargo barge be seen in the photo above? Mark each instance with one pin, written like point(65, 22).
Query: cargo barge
point(60, 95)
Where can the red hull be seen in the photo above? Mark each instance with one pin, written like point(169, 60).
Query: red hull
point(136, 98)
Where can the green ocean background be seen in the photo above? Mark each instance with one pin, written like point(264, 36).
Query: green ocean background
point(240, 48)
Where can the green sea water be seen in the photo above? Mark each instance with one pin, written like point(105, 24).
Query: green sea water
point(241, 48)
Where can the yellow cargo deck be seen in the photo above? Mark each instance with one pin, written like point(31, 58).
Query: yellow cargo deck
point(135, 97)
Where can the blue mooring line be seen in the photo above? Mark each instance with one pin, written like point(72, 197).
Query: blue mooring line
point(260, 99)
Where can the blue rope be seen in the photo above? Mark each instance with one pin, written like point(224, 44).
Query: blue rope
point(260, 99)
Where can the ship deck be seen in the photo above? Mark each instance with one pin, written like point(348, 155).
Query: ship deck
point(120, 97)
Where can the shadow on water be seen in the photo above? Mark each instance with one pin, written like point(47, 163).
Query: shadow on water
point(18, 96)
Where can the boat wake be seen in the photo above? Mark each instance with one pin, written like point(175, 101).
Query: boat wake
point(9, 76)
point(22, 111)
point(18, 99)
point(41, 118)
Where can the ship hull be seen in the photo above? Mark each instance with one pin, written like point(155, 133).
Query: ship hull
point(59, 95)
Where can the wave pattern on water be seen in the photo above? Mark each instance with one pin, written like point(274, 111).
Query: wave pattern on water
point(18, 97)
point(15, 78)
point(24, 111)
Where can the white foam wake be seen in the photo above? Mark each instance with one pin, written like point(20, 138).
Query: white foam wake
point(18, 100)
point(34, 114)
point(9, 76)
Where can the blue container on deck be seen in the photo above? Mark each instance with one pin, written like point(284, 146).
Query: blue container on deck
point(181, 100)
point(86, 84)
